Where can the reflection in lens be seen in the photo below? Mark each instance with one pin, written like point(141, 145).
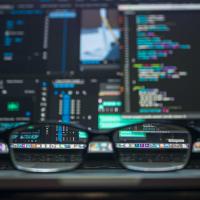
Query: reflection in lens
point(153, 147)
point(48, 147)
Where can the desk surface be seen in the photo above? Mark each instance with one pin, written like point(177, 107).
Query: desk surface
point(100, 180)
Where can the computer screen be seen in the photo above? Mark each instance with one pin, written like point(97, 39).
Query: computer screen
point(101, 64)
point(161, 54)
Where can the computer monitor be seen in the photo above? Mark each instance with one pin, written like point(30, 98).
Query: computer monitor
point(77, 62)
point(161, 60)
point(60, 60)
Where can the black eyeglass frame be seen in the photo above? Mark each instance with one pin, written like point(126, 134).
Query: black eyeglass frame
point(92, 134)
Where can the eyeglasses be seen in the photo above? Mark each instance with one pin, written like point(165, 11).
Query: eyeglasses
point(55, 147)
